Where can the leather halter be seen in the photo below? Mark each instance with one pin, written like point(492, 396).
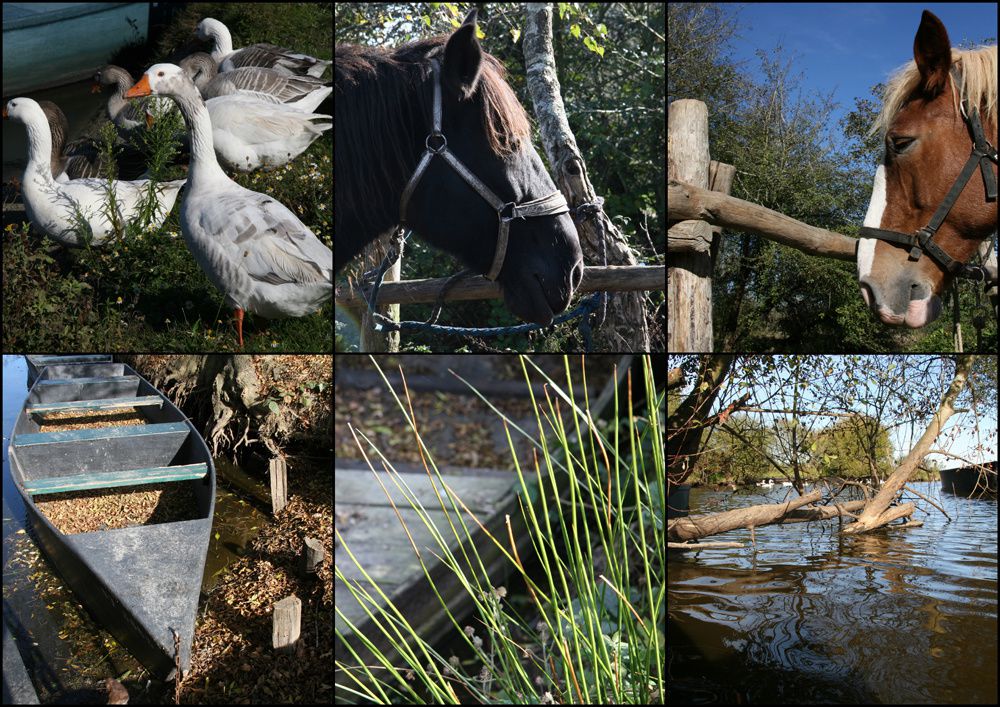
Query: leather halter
point(922, 241)
point(436, 144)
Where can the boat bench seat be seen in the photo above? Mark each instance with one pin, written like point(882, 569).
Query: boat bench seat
point(111, 479)
point(62, 452)
point(95, 405)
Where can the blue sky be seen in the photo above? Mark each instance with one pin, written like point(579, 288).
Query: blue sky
point(845, 48)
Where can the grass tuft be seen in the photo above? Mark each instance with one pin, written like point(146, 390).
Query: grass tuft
point(590, 626)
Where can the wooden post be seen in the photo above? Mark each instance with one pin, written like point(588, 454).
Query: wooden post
point(689, 243)
point(312, 555)
point(371, 340)
point(278, 473)
point(286, 623)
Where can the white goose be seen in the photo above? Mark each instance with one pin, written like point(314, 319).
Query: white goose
point(252, 247)
point(303, 93)
point(250, 134)
point(56, 209)
point(283, 60)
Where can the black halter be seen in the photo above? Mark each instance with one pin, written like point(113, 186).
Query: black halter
point(436, 144)
point(923, 240)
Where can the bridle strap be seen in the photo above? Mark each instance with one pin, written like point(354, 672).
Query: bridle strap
point(922, 241)
point(436, 144)
point(982, 146)
point(551, 205)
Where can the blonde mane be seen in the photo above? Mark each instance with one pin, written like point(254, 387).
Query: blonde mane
point(978, 74)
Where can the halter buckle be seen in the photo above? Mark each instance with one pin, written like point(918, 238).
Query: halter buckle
point(513, 212)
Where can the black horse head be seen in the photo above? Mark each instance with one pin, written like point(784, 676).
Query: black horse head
point(385, 120)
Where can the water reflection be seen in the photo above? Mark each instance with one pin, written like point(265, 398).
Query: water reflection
point(904, 616)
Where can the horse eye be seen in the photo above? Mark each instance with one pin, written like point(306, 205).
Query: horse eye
point(899, 144)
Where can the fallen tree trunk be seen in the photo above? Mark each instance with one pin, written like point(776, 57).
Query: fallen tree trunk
point(699, 526)
point(875, 514)
point(806, 515)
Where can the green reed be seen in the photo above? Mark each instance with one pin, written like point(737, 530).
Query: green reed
point(594, 510)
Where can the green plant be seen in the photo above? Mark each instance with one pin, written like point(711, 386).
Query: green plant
point(591, 629)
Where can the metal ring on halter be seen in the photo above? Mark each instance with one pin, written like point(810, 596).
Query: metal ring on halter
point(444, 143)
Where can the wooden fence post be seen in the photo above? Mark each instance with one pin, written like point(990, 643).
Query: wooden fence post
point(689, 250)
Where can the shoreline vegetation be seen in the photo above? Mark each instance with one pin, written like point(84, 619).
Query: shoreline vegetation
point(724, 484)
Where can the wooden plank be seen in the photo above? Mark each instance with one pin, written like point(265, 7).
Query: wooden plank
point(449, 384)
point(66, 452)
point(406, 468)
point(99, 433)
point(70, 389)
point(81, 358)
point(356, 486)
point(354, 610)
point(372, 531)
point(382, 547)
point(68, 382)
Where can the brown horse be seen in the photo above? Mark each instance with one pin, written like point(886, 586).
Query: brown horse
point(931, 196)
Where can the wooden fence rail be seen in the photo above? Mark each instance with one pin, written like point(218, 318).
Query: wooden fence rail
point(686, 201)
point(617, 278)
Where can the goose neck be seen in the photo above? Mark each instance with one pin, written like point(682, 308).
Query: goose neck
point(203, 162)
point(39, 149)
point(223, 40)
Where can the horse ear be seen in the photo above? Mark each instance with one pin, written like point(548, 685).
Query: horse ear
point(463, 61)
point(932, 54)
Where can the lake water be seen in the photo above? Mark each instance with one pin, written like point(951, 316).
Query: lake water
point(900, 616)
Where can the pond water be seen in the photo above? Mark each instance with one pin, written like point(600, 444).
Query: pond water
point(902, 616)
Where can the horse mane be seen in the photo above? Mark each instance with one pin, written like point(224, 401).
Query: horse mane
point(381, 115)
point(978, 74)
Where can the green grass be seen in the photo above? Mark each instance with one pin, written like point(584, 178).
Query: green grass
point(590, 627)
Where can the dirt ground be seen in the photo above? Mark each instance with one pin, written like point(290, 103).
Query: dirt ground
point(457, 427)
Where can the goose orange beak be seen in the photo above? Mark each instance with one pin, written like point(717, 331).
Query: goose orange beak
point(141, 88)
